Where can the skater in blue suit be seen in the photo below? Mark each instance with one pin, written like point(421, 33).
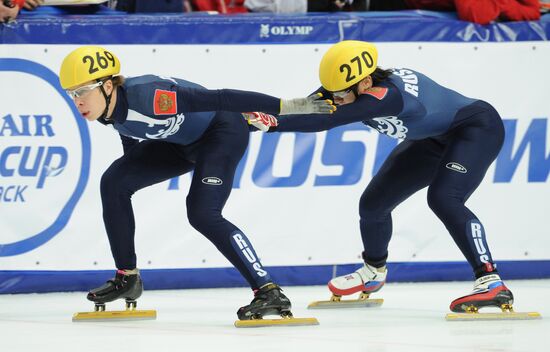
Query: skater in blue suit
point(182, 127)
point(449, 141)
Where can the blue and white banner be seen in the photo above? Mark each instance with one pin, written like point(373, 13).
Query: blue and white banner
point(264, 29)
point(295, 195)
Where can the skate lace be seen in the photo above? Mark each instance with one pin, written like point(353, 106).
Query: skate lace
point(366, 273)
point(264, 295)
point(482, 283)
point(259, 297)
point(118, 282)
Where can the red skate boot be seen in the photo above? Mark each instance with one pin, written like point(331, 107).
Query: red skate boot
point(489, 291)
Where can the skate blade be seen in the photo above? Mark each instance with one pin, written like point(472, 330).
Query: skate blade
point(492, 316)
point(256, 323)
point(115, 315)
point(350, 303)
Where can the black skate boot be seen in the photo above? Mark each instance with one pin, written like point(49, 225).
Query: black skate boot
point(268, 300)
point(124, 285)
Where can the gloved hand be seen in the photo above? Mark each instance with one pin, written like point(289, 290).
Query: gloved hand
point(32, 4)
point(309, 105)
point(9, 10)
point(261, 120)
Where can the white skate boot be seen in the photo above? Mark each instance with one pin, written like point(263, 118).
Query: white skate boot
point(366, 280)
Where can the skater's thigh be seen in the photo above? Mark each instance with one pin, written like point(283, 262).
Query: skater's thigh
point(147, 163)
point(409, 167)
point(217, 159)
point(468, 155)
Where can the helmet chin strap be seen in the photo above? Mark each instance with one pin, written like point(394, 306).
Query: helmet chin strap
point(104, 119)
point(355, 91)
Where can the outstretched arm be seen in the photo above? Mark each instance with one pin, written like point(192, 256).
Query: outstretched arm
point(317, 123)
point(364, 108)
point(194, 100)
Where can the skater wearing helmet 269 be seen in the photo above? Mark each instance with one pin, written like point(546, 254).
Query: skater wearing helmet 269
point(449, 142)
point(183, 127)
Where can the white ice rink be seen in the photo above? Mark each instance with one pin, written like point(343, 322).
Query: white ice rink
point(411, 319)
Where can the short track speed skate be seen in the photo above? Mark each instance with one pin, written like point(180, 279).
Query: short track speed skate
point(489, 291)
point(269, 300)
point(124, 285)
point(365, 280)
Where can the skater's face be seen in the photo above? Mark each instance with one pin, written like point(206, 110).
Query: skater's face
point(349, 95)
point(345, 96)
point(89, 99)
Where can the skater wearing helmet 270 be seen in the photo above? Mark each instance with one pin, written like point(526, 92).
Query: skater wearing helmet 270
point(183, 127)
point(449, 142)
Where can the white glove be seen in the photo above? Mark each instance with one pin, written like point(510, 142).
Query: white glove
point(309, 105)
point(261, 120)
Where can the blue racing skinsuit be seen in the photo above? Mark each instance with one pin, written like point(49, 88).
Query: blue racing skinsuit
point(449, 142)
point(184, 127)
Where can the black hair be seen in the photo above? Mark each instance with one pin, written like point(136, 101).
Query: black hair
point(380, 75)
point(377, 76)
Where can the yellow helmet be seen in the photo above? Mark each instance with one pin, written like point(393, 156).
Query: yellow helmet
point(87, 63)
point(347, 63)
